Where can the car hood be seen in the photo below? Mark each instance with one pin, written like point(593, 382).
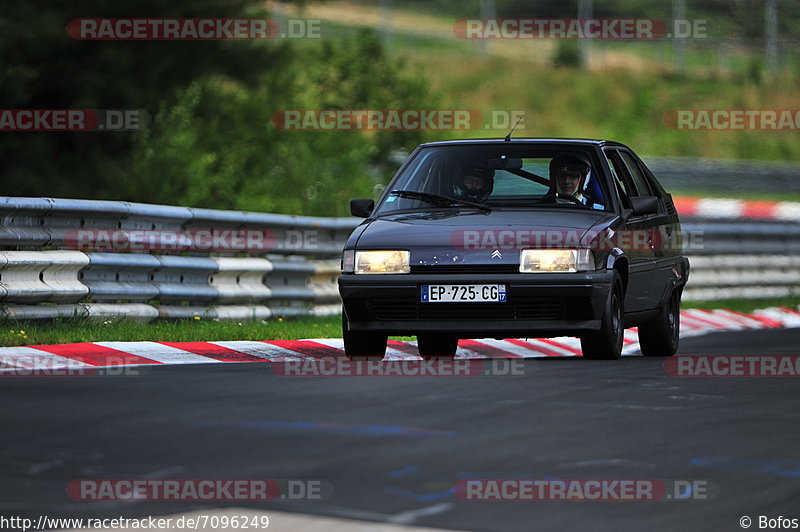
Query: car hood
point(470, 237)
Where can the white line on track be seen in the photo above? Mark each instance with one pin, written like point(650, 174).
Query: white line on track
point(159, 352)
point(261, 350)
point(31, 358)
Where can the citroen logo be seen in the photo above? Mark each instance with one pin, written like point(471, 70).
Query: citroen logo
point(497, 255)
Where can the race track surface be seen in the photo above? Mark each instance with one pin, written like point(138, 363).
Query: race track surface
point(393, 448)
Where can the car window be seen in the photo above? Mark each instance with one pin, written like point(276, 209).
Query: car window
point(620, 175)
point(507, 184)
point(642, 186)
point(498, 176)
point(655, 186)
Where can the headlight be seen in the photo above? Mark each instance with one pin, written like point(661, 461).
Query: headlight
point(555, 260)
point(383, 262)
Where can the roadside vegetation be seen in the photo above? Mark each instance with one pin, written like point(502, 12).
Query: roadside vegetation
point(212, 143)
point(200, 330)
point(744, 305)
point(625, 94)
point(751, 195)
point(14, 333)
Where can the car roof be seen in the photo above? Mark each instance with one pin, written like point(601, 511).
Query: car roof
point(525, 140)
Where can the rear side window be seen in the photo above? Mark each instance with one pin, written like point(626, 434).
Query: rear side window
point(655, 186)
point(619, 173)
point(640, 181)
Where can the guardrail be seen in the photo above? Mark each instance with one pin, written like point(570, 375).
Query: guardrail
point(745, 259)
point(690, 173)
point(54, 264)
point(171, 264)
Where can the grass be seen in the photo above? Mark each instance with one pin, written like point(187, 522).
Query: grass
point(624, 100)
point(628, 107)
point(13, 333)
point(743, 305)
point(734, 194)
point(68, 331)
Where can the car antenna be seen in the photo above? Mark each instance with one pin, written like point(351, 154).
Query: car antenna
point(508, 137)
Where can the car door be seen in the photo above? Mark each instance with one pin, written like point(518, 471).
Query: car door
point(633, 240)
point(668, 252)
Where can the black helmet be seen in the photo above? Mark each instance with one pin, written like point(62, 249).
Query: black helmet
point(570, 163)
point(476, 170)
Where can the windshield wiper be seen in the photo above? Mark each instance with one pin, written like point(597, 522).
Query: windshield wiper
point(438, 199)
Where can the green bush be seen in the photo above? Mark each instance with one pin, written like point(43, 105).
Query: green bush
point(211, 143)
point(567, 54)
point(217, 148)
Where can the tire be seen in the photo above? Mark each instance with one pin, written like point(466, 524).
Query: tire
point(362, 345)
point(434, 345)
point(660, 337)
point(606, 344)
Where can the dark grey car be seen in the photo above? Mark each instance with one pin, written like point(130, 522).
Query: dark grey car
point(520, 238)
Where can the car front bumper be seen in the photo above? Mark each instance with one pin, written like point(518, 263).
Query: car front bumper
point(537, 305)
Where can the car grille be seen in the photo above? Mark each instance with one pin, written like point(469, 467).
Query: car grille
point(394, 309)
point(466, 268)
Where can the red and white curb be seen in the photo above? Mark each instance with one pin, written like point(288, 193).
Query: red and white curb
point(694, 322)
point(788, 211)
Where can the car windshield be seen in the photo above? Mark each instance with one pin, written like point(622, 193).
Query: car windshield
point(497, 176)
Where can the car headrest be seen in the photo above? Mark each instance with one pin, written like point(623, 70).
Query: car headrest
point(594, 190)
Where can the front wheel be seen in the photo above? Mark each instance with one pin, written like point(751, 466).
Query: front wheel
point(433, 346)
point(606, 344)
point(659, 338)
point(362, 345)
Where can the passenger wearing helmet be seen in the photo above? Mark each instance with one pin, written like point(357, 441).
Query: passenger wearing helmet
point(474, 182)
point(570, 176)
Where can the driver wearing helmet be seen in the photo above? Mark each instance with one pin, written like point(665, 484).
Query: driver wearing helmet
point(474, 182)
point(571, 174)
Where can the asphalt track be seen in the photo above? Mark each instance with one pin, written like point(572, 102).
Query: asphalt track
point(565, 418)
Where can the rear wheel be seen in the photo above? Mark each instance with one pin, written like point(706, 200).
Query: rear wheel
point(362, 345)
point(437, 346)
point(659, 338)
point(606, 344)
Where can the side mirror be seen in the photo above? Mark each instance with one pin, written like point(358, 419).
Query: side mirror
point(362, 207)
point(626, 214)
point(644, 205)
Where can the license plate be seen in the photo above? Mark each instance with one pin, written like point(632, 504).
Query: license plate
point(463, 293)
